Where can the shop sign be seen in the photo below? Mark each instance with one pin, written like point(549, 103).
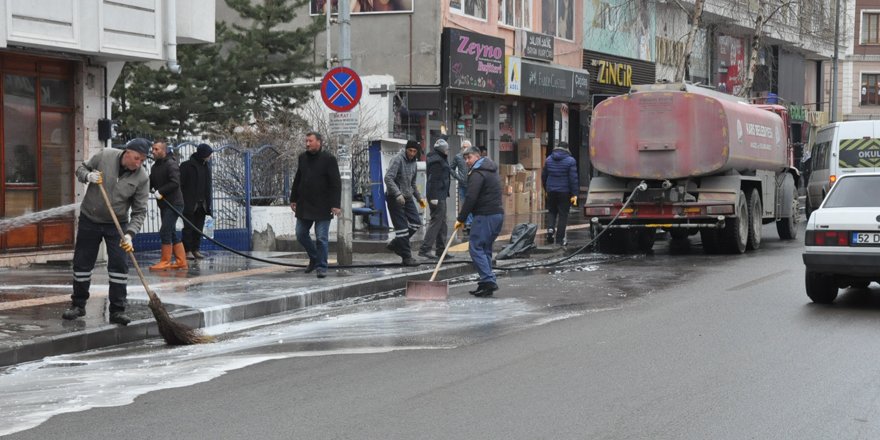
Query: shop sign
point(513, 75)
point(797, 112)
point(475, 61)
point(554, 83)
point(537, 46)
point(614, 74)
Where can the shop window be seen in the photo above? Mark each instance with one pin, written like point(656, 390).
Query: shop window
point(871, 28)
point(516, 13)
point(869, 90)
point(473, 8)
point(37, 152)
point(557, 18)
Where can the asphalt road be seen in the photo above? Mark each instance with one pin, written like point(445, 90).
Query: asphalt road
point(676, 345)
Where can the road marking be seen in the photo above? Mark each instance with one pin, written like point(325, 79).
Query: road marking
point(757, 281)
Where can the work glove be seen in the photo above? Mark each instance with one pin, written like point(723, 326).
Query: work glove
point(401, 200)
point(573, 200)
point(159, 196)
point(434, 202)
point(95, 177)
point(458, 225)
point(125, 243)
point(423, 203)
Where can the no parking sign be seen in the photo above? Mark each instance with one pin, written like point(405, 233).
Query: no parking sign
point(341, 89)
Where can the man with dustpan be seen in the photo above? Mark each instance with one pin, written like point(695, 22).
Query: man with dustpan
point(483, 200)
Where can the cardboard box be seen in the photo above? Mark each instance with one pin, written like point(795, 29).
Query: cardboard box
point(525, 180)
point(529, 153)
point(523, 202)
point(507, 169)
point(508, 202)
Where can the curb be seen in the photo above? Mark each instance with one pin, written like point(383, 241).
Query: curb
point(110, 335)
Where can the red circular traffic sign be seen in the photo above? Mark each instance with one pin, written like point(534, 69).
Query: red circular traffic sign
point(341, 89)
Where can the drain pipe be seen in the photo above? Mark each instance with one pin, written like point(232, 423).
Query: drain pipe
point(171, 36)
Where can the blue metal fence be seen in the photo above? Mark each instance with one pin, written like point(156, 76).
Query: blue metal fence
point(241, 178)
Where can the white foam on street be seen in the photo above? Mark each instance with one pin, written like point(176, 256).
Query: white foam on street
point(33, 392)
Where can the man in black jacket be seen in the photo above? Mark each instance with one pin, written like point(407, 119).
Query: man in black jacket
point(195, 183)
point(315, 197)
point(165, 181)
point(483, 200)
point(437, 192)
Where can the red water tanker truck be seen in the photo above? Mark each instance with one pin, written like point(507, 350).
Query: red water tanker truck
point(694, 161)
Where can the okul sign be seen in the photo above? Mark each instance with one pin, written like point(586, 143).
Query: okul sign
point(473, 61)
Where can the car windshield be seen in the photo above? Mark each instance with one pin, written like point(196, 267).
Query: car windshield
point(855, 192)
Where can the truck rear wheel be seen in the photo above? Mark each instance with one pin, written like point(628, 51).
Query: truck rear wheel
point(735, 235)
point(787, 227)
point(755, 220)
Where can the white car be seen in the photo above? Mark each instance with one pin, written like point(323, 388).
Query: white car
point(842, 244)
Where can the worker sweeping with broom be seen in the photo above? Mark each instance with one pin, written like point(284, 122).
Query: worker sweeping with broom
point(128, 184)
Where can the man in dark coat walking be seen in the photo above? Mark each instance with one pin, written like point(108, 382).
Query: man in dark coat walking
point(165, 181)
point(483, 200)
point(437, 191)
point(195, 183)
point(315, 197)
point(560, 179)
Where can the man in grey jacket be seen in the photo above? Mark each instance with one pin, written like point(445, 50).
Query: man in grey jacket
point(122, 174)
point(401, 196)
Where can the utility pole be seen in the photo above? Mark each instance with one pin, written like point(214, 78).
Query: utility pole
point(345, 222)
point(834, 65)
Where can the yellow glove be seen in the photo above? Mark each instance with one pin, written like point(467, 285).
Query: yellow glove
point(95, 177)
point(458, 225)
point(573, 200)
point(126, 244)
point(423, 203)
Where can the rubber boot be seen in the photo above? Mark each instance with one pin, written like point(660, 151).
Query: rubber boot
point(179, 256)
point(165, 262)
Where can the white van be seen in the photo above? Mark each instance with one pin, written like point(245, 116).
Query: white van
point(841, 148)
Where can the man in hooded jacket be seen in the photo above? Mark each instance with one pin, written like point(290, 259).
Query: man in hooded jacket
point(560, 179)
point(437, 191)
point(401, 196)
point(195, 183)
point(483, 200)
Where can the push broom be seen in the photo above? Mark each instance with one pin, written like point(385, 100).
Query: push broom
point(174, 333)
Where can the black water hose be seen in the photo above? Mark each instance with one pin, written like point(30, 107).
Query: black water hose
point(534, 265)
point(276, 262)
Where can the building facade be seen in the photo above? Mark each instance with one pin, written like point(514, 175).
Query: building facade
point(59, 59)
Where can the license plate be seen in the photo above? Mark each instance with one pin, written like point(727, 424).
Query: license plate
point(865, 238)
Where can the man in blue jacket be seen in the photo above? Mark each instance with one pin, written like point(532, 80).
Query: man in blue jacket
point(560, 179)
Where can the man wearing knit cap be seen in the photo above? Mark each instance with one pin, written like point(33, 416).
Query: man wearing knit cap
point(195, 183)
point(401, 196)
point(127, 185)
point(437, 191)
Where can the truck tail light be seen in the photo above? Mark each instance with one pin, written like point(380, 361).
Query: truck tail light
point(831, 179)
point(694, 210)
point(596, 211)
point(719, 209)
point(827, 238)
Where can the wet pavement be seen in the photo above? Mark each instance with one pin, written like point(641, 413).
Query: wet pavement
point(222, 289)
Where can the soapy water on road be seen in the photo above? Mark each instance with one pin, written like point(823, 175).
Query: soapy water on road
point(33, 392)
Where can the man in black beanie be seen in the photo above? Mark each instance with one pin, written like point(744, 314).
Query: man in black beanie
point(128, 186)
point(401, 195)
point(195, 183)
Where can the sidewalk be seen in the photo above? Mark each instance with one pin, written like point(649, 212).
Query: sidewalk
point(222, 288)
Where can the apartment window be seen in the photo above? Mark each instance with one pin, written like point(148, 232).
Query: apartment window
point(516, 13)
point(473, 8)
point(869, 89)
point(557, 18)
point(871, 28)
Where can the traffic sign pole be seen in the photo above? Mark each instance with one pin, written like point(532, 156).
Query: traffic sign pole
point(344, 238)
